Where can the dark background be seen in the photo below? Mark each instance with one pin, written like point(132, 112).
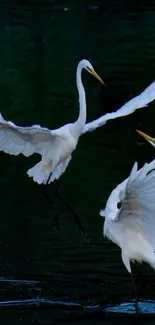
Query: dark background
point(41, 43)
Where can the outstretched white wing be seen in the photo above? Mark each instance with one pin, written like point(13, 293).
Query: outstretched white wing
point(147, 96)
point(138, 206)
point(26, 140)
point(140, 101)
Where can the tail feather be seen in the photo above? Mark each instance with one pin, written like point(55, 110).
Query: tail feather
point(38, 173)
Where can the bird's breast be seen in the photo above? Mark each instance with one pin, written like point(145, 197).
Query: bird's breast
point(67, 148)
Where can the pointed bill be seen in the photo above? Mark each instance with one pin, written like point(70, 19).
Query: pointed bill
point(93, 72)
point(146, 136)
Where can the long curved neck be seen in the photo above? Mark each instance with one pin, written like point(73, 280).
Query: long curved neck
point(79, 124)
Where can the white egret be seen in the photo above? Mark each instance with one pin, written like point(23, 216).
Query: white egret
point(56, 146)
point(130, 216)
point(147, 137)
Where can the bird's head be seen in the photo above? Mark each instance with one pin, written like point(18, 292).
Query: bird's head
point(85, 64)
point(147, 137)
point(114, 202)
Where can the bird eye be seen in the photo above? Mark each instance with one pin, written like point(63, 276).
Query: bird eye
point(119, 204)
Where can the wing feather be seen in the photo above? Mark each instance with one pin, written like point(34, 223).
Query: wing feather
point(142, 100)
point(26, 140)
point(138, 206)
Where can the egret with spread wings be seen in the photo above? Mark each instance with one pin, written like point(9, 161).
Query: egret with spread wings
point(56, 146)
point(130, 216)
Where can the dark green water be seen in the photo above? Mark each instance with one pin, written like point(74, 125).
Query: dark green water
point(40, 46)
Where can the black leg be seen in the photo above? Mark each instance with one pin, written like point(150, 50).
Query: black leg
point(76, 218)
point(134, 293)
point(142, 283)
point(55, 218)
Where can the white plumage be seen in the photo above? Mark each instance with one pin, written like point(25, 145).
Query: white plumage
point(130, 216)
point(142, 100)
point(56, 146)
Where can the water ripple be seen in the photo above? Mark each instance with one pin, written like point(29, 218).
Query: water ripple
point(145, 307)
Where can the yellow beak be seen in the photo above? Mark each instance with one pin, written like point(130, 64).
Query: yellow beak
point(97, 76)
point(146, 136)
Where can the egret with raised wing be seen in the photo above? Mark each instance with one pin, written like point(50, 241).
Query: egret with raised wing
point(130, 216)
point(54, 146)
